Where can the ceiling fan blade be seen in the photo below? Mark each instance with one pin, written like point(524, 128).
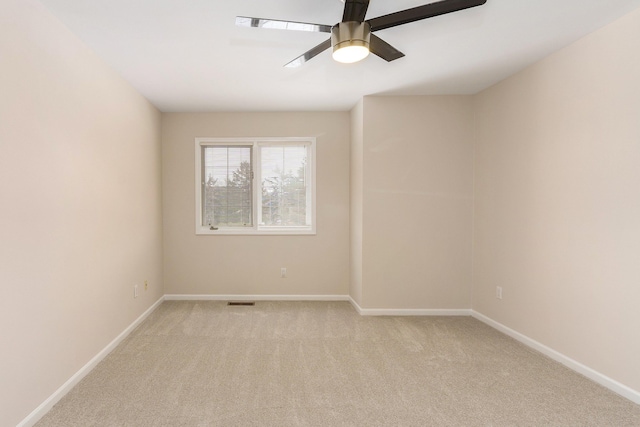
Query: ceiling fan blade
point(355, 10)
point(245, 21)
point(309, 54)
point(421, 12)
point(383, 49)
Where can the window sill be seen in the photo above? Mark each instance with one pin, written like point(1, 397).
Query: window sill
point(303, 231)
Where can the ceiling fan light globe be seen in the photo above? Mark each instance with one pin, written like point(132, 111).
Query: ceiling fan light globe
point(350, 54)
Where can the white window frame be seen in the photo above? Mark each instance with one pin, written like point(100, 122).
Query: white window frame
point(256, 201)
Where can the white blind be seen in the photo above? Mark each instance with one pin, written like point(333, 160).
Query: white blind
point(227, 181)
point(285, 187)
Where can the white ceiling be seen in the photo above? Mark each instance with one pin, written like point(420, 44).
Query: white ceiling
point(188, 56)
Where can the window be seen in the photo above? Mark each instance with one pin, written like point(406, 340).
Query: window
point(255, 186)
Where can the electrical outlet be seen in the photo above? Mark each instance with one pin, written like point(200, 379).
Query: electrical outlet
point(146, 285)
point(499, 292)
point(283, 272)
point(135, 291)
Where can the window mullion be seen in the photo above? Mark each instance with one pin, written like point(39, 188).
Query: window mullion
point(310, 182)
point(256, 185)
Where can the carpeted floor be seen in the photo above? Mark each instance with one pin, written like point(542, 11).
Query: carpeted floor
point(202, 363)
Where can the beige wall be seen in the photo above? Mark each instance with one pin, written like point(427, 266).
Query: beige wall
point(250, 265)
point(557, 212)
point(356, 192)
point(80, 216)
point(417, 202)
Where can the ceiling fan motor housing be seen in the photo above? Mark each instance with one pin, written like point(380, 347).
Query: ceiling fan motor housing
point(350, 36)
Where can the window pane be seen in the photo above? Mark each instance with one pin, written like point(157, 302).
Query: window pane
point(227, 186)
point(284, 185)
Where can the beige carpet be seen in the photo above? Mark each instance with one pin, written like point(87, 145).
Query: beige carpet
point(321, 364)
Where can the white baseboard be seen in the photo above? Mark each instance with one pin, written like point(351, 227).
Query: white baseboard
point(41, 410)
point(611, 384)
point(207, 297)
point(599, 378)
point(409, 311)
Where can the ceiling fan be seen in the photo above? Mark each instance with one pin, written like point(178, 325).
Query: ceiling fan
point(352, 38)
